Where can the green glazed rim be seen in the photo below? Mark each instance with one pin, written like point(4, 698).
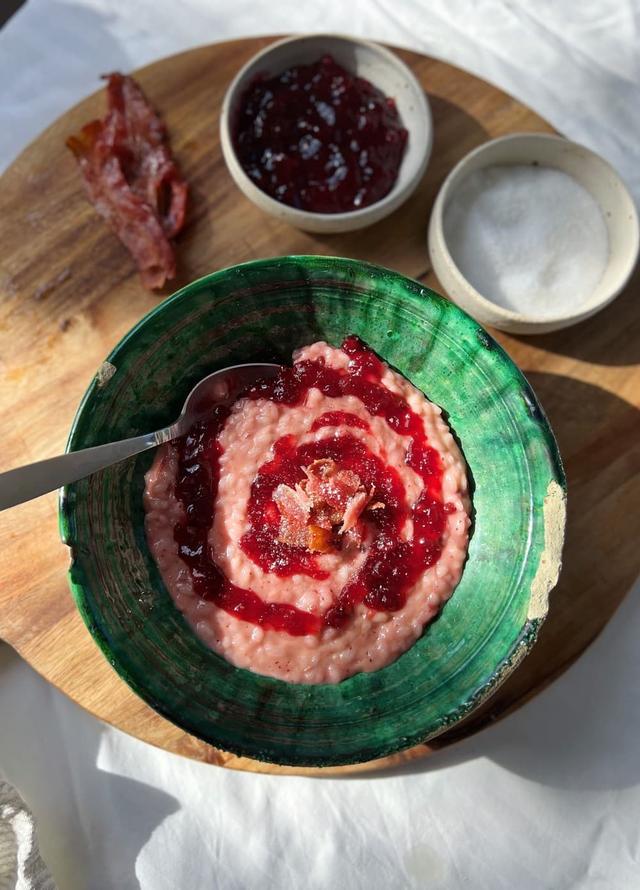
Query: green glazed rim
point(261, 311)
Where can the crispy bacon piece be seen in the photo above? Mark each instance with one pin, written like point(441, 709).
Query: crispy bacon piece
point(325, 482)
point(326, 505)
point(132, 179)
point(355, 505)
point(293, 503)
point(294, 509)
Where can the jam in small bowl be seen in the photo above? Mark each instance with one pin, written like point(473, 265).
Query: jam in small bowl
point(325, 132)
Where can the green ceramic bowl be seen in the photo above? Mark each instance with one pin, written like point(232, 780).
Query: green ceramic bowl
point(261, 311)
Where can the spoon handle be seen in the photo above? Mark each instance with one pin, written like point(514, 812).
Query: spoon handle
point(25, 483)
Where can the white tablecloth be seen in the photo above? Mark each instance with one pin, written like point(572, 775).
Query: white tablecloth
point(548, 798)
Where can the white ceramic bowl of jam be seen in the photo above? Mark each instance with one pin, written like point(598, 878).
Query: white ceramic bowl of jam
point(323, 180)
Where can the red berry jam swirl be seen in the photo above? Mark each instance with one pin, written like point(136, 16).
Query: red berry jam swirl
point(319, 138)
point(392, 565)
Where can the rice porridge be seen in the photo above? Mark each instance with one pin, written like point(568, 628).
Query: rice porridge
point(313, 529)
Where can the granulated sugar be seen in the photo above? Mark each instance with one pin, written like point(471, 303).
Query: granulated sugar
point(528, 238)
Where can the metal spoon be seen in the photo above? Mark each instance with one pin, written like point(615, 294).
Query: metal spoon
point(25, 483)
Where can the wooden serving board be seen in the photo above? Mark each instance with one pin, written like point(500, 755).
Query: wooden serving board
point(69, 291)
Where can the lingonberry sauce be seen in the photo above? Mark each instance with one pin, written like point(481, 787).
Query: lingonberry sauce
point(339, 418)
point(392, 565)
point(261, 542)
point(319, 138)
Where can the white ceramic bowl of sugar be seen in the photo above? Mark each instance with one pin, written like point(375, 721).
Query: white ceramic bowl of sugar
point(619, 237)
point(379, 66)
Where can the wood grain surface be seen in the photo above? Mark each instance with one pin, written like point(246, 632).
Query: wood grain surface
point(69, 291)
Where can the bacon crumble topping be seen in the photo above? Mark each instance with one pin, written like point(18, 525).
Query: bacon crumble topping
point(323, 512)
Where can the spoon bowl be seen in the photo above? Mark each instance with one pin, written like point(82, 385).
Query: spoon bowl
point(222, 387)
